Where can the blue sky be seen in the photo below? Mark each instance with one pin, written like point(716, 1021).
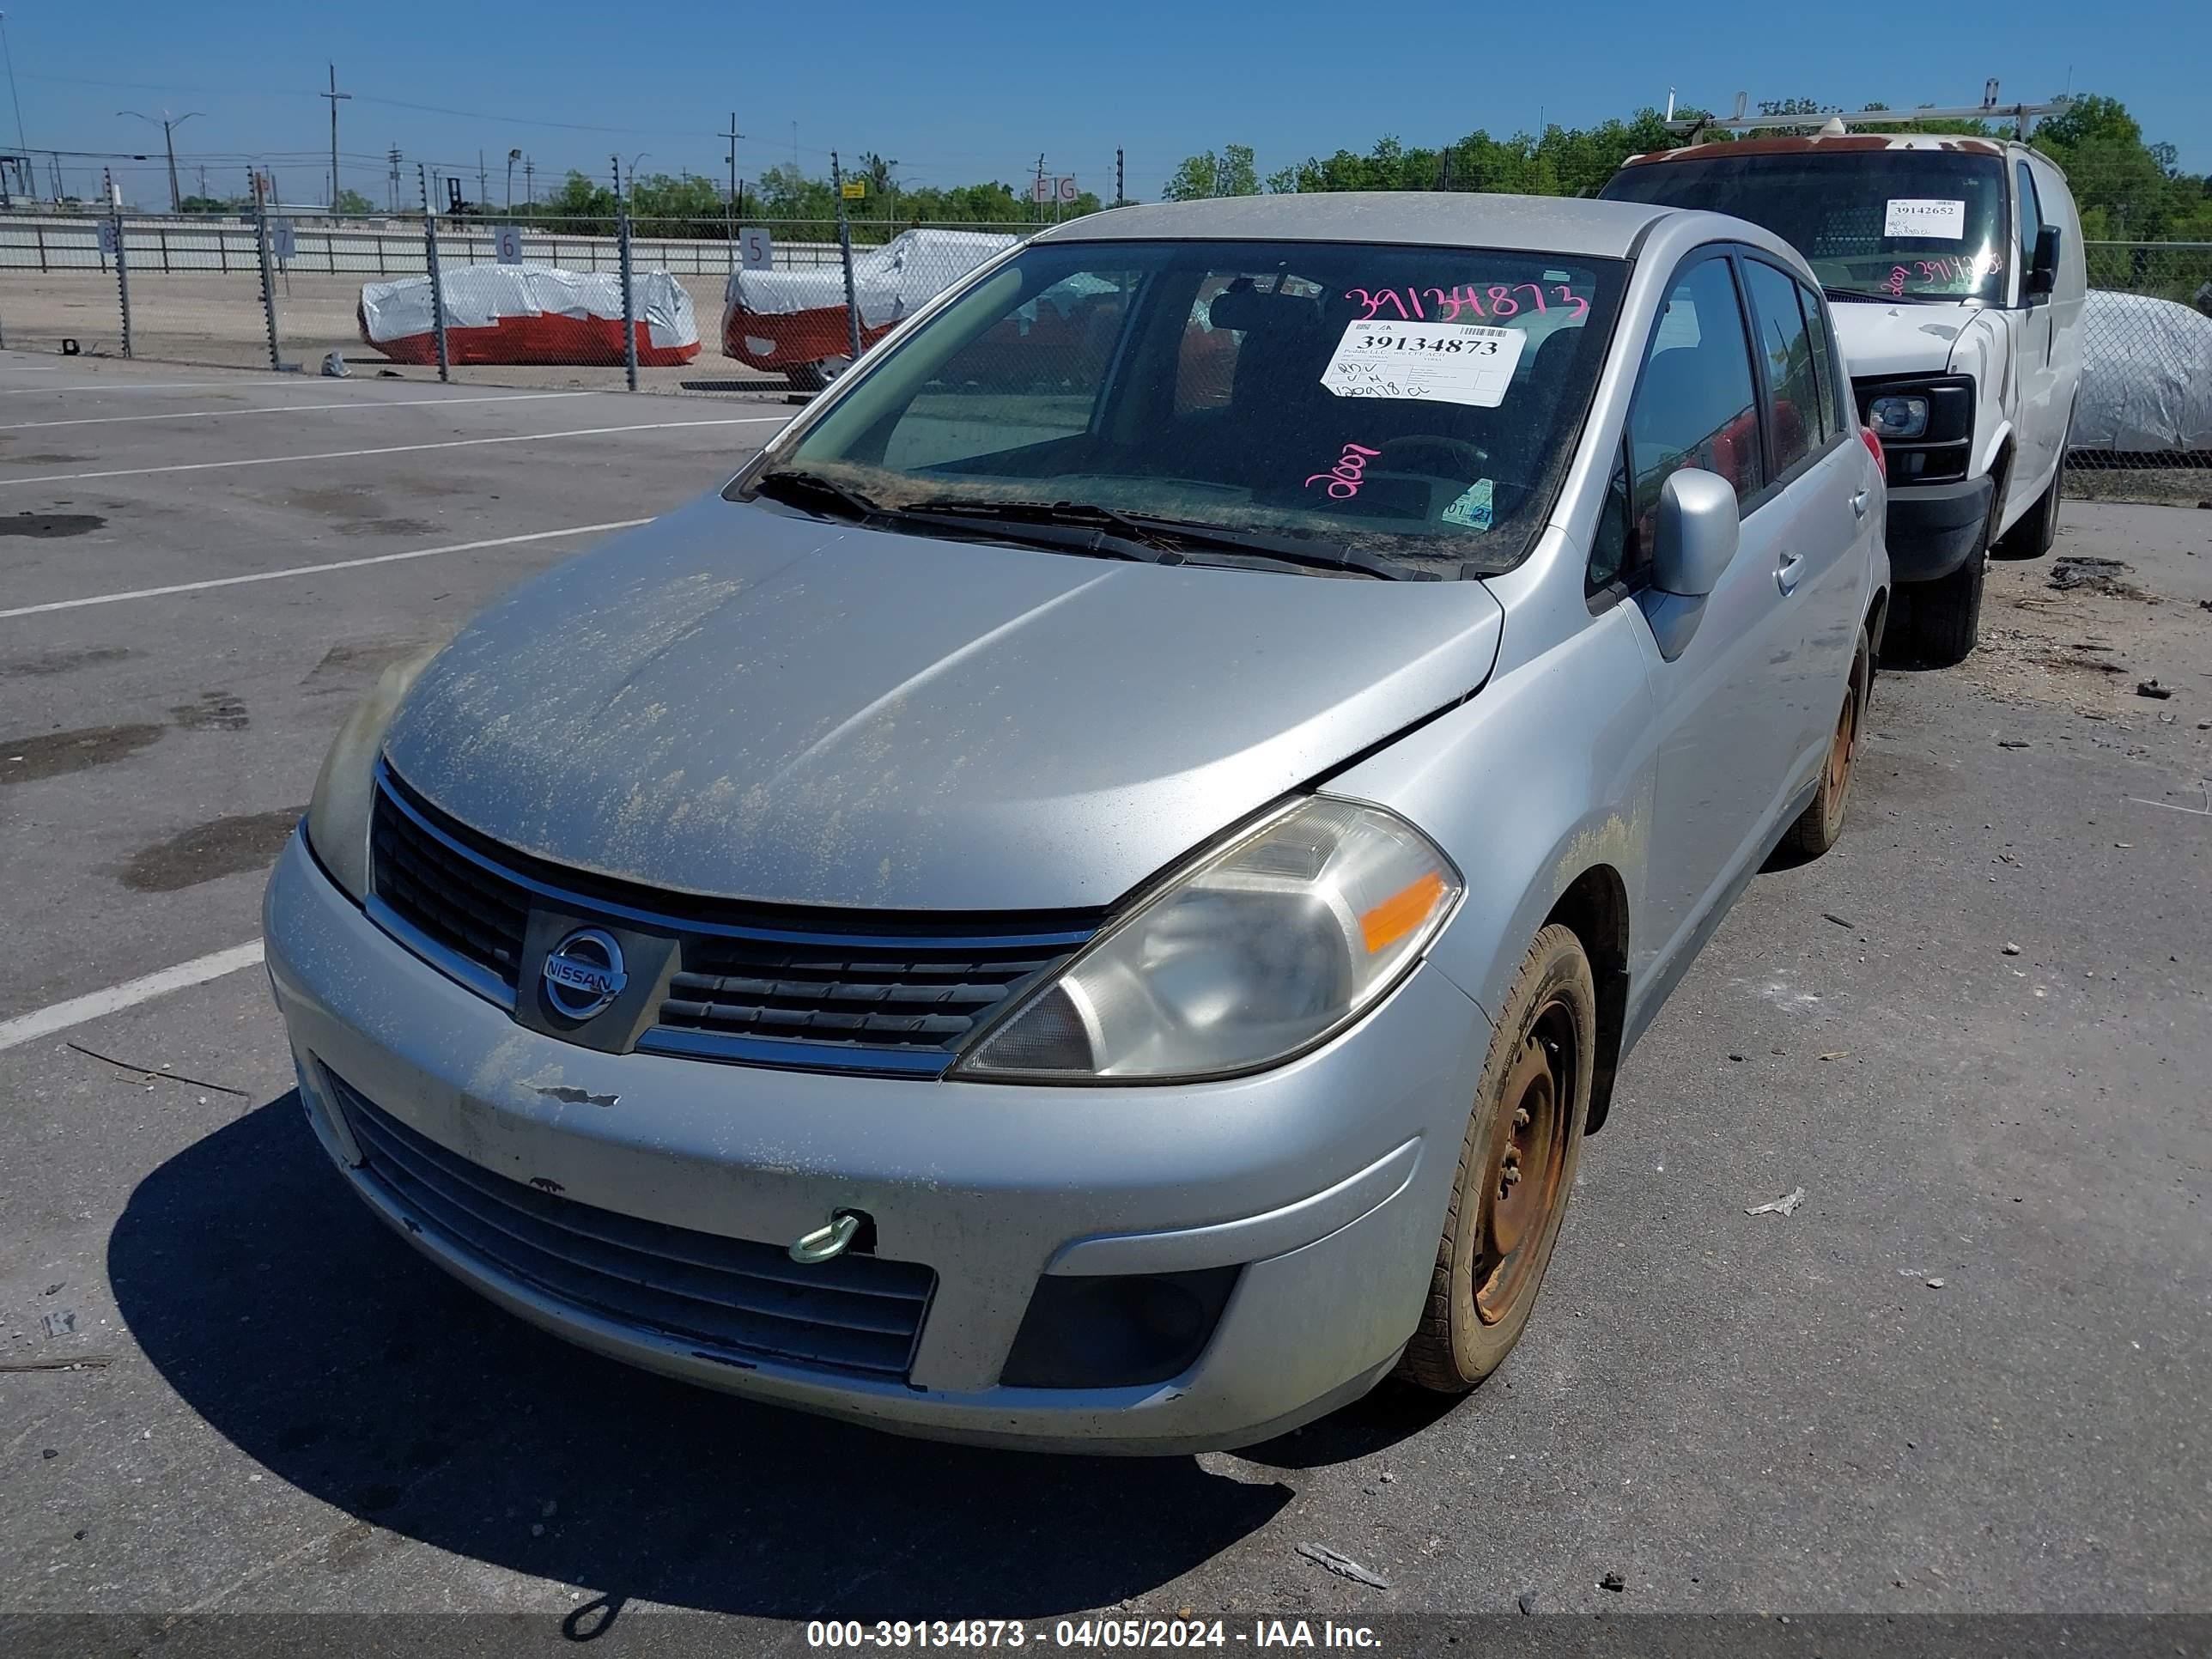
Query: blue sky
point(961, 94)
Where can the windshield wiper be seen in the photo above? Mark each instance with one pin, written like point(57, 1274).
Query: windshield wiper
point(1193, 533)
point(982, 519)
point(812, 492)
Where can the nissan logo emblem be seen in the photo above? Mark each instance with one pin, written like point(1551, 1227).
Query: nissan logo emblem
point(584, 973)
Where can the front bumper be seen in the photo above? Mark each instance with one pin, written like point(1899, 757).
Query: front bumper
point(1325, 1180)
point(1934, 529)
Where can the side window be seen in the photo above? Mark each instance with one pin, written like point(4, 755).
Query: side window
point(1793, 389)
point(2031, 216)
point(1835, 398)
point(1695, 404)
point(1611, 545)
point(1206, 360)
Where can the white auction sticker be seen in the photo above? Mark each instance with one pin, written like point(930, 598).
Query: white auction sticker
point(1924, 216)
point(1440, 363)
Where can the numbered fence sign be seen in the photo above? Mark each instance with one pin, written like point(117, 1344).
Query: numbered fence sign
point(756, 248)
point(108, 237)
point(506, 244)
point(282, 241)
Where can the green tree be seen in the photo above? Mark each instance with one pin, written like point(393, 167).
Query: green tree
point(1207, 174)
point(352, 201)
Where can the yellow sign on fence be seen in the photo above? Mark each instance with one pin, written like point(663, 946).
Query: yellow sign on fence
point(855, 189)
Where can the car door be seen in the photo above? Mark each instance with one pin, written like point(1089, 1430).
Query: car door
point(1723, 737)
point(1828, 504)
point(2039, 425)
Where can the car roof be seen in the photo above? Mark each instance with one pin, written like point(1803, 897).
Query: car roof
point(1539, 224)
point(1831, 144)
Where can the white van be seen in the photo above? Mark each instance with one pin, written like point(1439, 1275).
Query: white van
point(1956, 268)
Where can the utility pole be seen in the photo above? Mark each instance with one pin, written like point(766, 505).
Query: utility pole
point(392, 155)
point(512, 157)
point(483, 184)
point(335, 97)
point(529, 183)
point(1037, 194)
point(24, 145)
point(729, 213)
point(1118, 179)
point(168, 127)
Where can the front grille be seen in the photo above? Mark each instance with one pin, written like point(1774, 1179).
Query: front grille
point(454, 902)
point(731, 1299)
point(889, 996)
point(764, 984)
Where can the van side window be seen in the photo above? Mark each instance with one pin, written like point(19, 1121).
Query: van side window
point(1793, 386)
point(1694, 405)
point(2031, 216)
point(1835, 393)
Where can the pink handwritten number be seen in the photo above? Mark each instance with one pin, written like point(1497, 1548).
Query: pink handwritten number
point(1344, 478)
point(1534, 289)
point(1502, 302)
point(1465, 299)
point(1896, 281)
point(1580, 305)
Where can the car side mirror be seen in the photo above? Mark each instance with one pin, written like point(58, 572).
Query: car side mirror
point(1695, 534)
point(2043, 270)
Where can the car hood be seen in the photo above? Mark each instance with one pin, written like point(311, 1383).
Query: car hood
point(739, 701)
point(1899, 339)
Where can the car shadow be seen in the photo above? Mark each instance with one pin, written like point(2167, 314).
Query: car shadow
point(289, 1318)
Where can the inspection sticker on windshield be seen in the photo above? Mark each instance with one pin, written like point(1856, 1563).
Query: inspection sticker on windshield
point(1440, 363)
point(1473, 508)
point(1925, 217)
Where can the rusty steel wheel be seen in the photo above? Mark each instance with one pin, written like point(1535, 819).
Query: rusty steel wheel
point(1822, 824)
point(1517, 1170)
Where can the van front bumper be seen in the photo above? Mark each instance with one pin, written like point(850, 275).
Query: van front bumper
point(1322, 1184)
point(1934, 529)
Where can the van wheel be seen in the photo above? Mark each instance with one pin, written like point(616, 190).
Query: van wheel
point(815, 376)
point(2038, 529)
point(1938, 623)
point(1820, 825)
point(1516, 1170)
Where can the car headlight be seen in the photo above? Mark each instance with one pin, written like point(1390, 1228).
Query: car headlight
point(1898, 414)
point(1254, 954)
point(345, 789)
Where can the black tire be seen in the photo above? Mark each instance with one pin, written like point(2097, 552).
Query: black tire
point(1820, 825)
point(1531, 1108)
point(1936, 624)
point(807, 377)
point(2038, 529)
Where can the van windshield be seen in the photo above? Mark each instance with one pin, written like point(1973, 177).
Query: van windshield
point(1874, 224)
point(1409, 409)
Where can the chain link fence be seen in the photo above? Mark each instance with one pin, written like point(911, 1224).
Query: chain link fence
point(652, 304)
point(779, 307)
point(2142, 428)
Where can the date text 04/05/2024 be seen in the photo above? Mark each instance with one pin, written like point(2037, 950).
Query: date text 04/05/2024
point(1088, 1633)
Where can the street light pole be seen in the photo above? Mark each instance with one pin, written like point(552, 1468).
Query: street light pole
point(168, 128)
point(512, 157)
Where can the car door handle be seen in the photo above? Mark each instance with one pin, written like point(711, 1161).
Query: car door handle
point(1859, 502)
point(1787, 572)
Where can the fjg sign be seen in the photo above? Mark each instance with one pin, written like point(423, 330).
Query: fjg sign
point(1061, 189)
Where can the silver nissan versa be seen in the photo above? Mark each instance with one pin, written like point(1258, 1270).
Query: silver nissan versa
point(1088, 899)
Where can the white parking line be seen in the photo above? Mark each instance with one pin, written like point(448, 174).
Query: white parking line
point(390, 449)
point(316, 569)
point(45, 1022)
point(294, 409)
point(130, 386)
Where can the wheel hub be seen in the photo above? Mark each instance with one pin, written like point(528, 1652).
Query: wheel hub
point(1521, 1178)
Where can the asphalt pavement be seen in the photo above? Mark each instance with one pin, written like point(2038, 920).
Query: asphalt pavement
point(1967, 1374)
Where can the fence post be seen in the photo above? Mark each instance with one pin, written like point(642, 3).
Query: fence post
point(42, 247)
point(845, 252)
point(268, 276)
point(122, 277)
point(437, 288)
point(629, 299)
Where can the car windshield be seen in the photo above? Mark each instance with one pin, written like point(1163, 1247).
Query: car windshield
point(1874, 224)
point(1394, 411)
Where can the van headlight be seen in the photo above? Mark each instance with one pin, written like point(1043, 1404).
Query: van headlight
point(1898, 416)
point(1251, 956)
point(345, 789)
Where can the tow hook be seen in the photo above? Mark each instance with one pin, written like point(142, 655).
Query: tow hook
point(828, 1241)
